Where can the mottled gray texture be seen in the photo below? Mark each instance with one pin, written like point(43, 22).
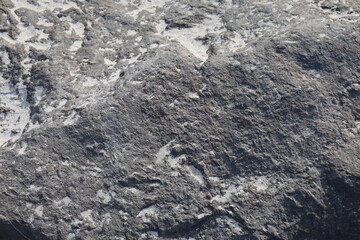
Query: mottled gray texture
point(180, 119)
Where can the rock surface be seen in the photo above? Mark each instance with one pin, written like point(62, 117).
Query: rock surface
point(190, 119)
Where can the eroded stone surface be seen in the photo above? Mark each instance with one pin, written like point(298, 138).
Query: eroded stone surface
point(179, 119)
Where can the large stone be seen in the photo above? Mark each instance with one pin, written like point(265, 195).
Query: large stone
point(179, 119)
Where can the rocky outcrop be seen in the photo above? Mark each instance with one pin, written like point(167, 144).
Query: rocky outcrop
point(179, 119)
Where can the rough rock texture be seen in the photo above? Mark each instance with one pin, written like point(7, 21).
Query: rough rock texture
point(186, 119)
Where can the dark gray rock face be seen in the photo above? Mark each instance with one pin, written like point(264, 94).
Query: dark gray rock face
point(180, 119)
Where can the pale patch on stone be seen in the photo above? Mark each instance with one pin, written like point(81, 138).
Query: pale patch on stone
point(214, 179)
point(160, 27)
point(103, 196)
point(133, 58)
point(288, 7)
point(34, 188)
point(28, 36)
point(153, 234)
point(201, 215)
point(31, 219)
point(345, 17)
point(96, 169)
point(76, 222)
point(89, 24)
point(123, 2)
point(357, 123)
point(138, 39)
point(118, 41)
point(55, 105)
point(38, 94)
point(77, 28)
point(66, 163)
point(244, 187)
point(290, 42)
point(87, 216)
point(122, 213)
point(106, 219)
point(196, 174)
point(27, 65)
point(114, 76)
point(147, 5)
point(236, 42)
point(155, 184)
point(31, 126)
point(260, 184)
point(107, 50)
point(39, 211)
point(71, 119)
point(62, 102)
point(131, 32)
point(109, 62)
point(153, 45)
point(142, 50)
point(5, 58)
point(63, 202)
point(45, 5)
point(235, 225)
point(175, 173)
point(70, 236)
point(28, 32)
point(90, 82)
point(147, 213)
point(188, 37)
point(163, 153)
point(176, 162)
point(14, 121)
point(76, 46)
point(193, 95)
point(23, 148)
point(228, 193)
point(133, 190)
point(44, 22)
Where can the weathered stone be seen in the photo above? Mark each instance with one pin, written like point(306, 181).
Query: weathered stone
point(179, 119)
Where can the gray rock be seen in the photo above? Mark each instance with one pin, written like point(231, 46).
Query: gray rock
point(179, 119)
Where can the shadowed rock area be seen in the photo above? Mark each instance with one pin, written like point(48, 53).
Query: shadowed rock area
point(180, 119)
point(15, 230)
